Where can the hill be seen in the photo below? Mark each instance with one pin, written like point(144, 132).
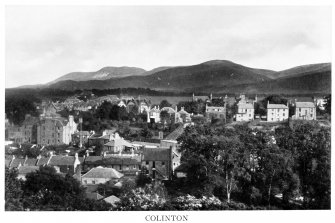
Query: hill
point(212, 76)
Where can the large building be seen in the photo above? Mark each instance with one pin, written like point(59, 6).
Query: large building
point(215, 112)
point(245, 112)
point(55, 130)
point(277, 112)
point(304, 111)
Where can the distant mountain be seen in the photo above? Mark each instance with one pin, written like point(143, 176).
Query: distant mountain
point(102, 74)
point(212, 76)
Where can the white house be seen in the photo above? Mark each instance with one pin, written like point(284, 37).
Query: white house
point(277, 112)
point(100, 175)
point(154, 115)
point(305, 111)
point(245, 112)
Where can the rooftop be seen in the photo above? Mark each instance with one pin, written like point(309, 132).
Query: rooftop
point(156, 154)
point(101, 172)
point(175, 134)
point(27, 169)
point(281, 106)
point(305, 105)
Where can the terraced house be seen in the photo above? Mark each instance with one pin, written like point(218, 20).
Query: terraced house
point(277, 112)
point(305, 111)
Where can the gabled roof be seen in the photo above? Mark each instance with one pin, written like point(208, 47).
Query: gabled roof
point(7, 162)
point(245, 106)
point(168, 110)
point(119, 142)
point(30, 120)
point(175, 134)
point(150, 144)
point(281, 106)
point(62, 160)
point(157, 154)
point(30, 162)
point(16, 162)
point(112, 199)
point(101, 172)
point(121, 160)
point(305, 105)
point(43, 161)
point(93, 159)
point(27, 169)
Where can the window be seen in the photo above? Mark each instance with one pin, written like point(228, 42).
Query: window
point(147, 163)
point(93, 181)
point(163, 163)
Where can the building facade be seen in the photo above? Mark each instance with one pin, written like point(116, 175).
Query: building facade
point(245, 112)
point(277, 112)
point(213, 112)
point(305, 111)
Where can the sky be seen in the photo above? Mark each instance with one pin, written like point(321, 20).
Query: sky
point(46, 42)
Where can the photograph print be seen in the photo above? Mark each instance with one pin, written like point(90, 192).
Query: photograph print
point(167, 108)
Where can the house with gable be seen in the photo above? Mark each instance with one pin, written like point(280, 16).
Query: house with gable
point(277, 112)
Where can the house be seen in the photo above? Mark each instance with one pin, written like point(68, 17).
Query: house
point(129, 166)
point(55, 130)
point(117, 145)
point(277, 112)
point(16, 134)
point(66, 164)
point(215, 112)
point(13, 162)
point(24, 170)
point(172, 114)
point(84, 135)
point(100, 175)
point(170, 141)
point(201, 98)
point(122, 104)
point(26, 133)
point(153, 116)
point(184, 116)
point(112, 200)
point(143, 107)
point(99, 140)
point(304, 111)
point(245, 112)
point(158, 162)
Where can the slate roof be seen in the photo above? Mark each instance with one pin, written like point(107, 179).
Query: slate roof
point(281, 106)
point(169, 110)
point(7, 162)
point(101, 172)
point(30, 162)
point(121, 160)
point(245, 106)
point(112, 199)
point(62, 160)
point(30, 120)
point(146, 144)
point(27, 169)
point(175, 134)
point(93, 159)
point(119, 142)
point(157, 154)
point(42, 161)
point(305, 105)
point(16, 162)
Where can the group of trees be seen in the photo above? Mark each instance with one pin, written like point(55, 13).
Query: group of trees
point(253, 167)
point(46, 190)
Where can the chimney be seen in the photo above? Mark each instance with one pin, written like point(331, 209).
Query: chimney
point(176, 108)
point(76, 162)
point(87, 153)
point(132, 153)
point(160, 135)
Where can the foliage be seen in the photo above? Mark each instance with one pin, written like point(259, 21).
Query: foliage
point(164, 103)
point(17, 107)
point(13, 191)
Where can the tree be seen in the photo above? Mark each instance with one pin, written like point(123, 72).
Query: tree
point(13, 191)
point(164, 103)
point(17, 107)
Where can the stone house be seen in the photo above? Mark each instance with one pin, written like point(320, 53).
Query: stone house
point(305, 111)
point(277, 112)
point(157, 163)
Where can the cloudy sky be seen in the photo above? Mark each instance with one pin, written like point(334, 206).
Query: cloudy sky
point(44, 43)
